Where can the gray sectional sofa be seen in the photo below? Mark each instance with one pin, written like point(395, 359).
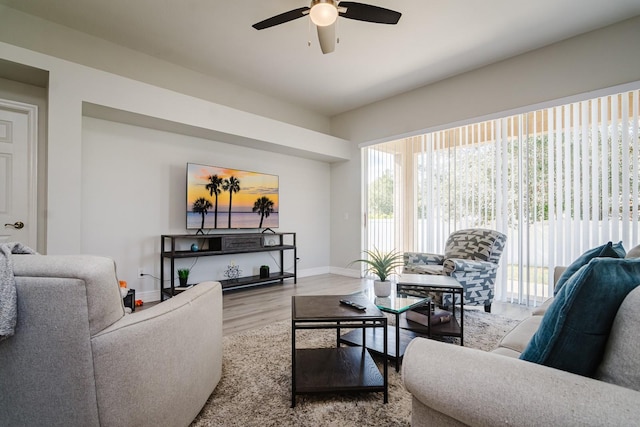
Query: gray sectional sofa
point(455, 386)
point(76, 359)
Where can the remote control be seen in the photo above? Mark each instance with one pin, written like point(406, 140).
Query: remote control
point(353, 304)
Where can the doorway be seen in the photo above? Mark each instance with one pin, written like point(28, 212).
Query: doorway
point(18, 172)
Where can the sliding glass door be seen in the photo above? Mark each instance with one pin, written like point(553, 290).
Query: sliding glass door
point(557, 181)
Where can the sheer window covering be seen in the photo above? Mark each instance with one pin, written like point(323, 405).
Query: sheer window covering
point(557, 181)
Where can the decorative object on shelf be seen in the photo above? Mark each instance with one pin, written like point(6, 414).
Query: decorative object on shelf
point(232, 272)
point(264, 271)
point(382, 265)
point(194, 248)
point(183, 276)
point(425, 316)
point(270, 241)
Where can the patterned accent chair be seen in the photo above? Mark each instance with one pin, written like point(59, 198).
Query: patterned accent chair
point(471, 257)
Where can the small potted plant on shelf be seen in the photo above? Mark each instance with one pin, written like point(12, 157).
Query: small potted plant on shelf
point(183, 276)
point(264, 271)
point(382, 265)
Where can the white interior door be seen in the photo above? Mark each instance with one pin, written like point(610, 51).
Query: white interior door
point(18, 194)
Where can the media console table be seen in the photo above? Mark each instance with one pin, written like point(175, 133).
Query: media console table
point(178, 246)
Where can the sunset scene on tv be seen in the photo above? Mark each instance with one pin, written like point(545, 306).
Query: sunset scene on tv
point(230, 198)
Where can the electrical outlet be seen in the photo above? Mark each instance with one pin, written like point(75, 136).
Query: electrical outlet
point(140, 273)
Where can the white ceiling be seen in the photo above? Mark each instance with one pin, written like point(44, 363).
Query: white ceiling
point(434, 39)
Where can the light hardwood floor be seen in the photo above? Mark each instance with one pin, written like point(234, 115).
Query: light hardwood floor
point(253, 307)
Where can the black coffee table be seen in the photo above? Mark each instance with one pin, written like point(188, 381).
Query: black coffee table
point(398, 339)
point(335, 369)
point(426, 284)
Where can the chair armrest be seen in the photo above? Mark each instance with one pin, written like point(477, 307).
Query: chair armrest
point(422, 258)
point(467, 265)
point(482, 388)
point(167, 356)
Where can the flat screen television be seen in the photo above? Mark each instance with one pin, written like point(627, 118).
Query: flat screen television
point(224, 198)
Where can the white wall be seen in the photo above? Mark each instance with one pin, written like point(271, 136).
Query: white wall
point(346, 214)
point(599, 59)
point(33, 33)
point(133, 190)
point(72, 85)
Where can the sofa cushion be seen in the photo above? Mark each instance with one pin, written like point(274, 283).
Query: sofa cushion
point(633, 252)
point(574, 330)
point(504, 351)
point(542, 309)
point(607, 250)
point(621, 365)
point(518, 337)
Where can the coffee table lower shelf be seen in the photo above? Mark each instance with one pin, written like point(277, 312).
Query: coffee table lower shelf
point(340, 369)
point(375, 340)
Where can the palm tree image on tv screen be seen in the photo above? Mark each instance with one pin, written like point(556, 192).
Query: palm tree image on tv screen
point(223, 198)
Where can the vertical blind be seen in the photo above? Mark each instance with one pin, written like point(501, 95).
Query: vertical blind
point(556, 181)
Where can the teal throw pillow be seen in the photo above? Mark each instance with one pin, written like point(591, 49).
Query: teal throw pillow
point(609, 250)
point(574, 330)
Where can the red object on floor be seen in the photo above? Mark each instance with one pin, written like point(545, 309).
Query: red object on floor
point(139, 303)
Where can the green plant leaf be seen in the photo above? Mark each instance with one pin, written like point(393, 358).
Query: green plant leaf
point(381, 264)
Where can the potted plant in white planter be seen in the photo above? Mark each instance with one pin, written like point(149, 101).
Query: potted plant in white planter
point(382, 265)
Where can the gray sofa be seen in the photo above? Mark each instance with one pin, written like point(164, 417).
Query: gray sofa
point(455, 386)
point(76, 359)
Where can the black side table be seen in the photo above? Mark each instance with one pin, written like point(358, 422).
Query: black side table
point(335, 369)
point(130, 300)
point(423, 285)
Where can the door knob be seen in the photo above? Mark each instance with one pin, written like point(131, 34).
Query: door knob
point(17, 225)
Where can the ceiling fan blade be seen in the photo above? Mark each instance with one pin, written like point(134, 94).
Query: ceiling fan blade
point(282, 18)
point(327, 38)
point(369, 13)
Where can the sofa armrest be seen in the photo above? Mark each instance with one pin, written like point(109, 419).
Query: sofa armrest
point(481, 388)
point(165, 360)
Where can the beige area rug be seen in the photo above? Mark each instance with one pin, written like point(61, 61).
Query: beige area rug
point(255, 389)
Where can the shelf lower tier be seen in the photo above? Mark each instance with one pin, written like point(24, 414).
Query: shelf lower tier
point(343, 369)
point(449, 329)
point(239, 283)
point(375, 340)
point(255, 280)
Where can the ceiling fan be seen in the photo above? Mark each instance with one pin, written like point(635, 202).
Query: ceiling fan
point(324, 13)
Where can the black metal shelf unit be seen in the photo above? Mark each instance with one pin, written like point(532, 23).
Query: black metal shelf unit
point(178, 246)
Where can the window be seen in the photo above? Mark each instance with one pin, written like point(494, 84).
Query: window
point(557, 181)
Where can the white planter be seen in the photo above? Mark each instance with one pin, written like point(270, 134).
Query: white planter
point(382, 289)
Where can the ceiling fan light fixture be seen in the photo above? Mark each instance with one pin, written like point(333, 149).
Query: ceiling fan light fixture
point(323, 12)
